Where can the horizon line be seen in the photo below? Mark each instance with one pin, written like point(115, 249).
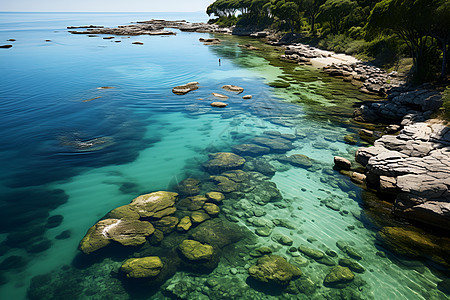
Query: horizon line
point(125, 12)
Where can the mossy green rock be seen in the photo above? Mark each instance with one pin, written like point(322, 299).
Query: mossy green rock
point(215, 197)
point(352, 265)
point(166, 224)
point(129, 232)
point(223, 161)
point(144, 267)
point(196, 251)
point(279, 84)
point(274, 269)
point(94, 238)
point(155, 205)
point(185, 224)
point(276, 144)
point(350, 139)
point(124, 212)
point(236, 175)
point(224, 184)
point(192, 203)
point(198, 217)
point(189, 186)
point(211, 209)
point(338, 275)
point(313, 253)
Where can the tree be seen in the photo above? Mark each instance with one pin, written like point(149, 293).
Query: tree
point(440, 30)
point(287, 11)
point(312, 10)
point(335, 12)
point(411, 20)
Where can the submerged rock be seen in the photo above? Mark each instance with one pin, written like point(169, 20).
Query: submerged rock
point(300, 160)
point(279, 145)
point(125, 232)
point(233, 88)
point(416, 244)
point(352, 265)
point(219, 104)
point(189, 186)
point(223, 161)
point(313, 253)
point(250, 150)
point(186, 88)
point(274, 269)
point(217, 95)
point(145, 267)
point(338, 275)
point(215, 197)
point(196, 251)
point(185, 224)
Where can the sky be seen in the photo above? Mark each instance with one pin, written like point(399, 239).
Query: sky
point(104, 5)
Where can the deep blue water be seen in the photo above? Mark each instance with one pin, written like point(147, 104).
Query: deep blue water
point(149, 139)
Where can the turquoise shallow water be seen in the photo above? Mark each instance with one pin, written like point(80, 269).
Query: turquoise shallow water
point(149, 139)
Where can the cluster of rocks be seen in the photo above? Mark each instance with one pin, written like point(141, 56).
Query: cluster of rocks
point(183, 25)
point(300, 53)
point(133, 29)
point(372, 80)
point(404, 105)
point(192, 86)
point(415, 167)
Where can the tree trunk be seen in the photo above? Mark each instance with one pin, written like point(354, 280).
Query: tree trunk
point(444, 60)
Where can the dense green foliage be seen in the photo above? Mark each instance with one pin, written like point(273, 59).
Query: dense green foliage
point(386, 30)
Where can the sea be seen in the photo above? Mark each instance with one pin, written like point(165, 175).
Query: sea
point(71, 151)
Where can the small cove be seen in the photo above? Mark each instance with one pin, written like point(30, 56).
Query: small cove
point(159, 139)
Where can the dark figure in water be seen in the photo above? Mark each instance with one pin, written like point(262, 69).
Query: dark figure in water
point(219, 61)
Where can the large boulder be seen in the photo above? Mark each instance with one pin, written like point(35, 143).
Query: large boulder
point(223, 161)
point(154, 205)
point(125, 232)
point(145, 267)
point(196, 251)
point(274, 269)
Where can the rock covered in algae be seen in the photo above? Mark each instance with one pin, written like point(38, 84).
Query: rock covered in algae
point(144, 267)
point(166, 224)
point(224, 184)
point(300, 160)
point(215, 197)
point(196, 251)
point(125, 232)
point(352, 265)
point(274, 269)
point(192, 203)
point(313, 253)
point(416, 244)
point(250, 149)
point(233, 88)
point(189, 186)
point(185, 224)
point(154, 205)
point(223, 161)
point(185, 88)
point(275, 144)
point(211, 209)
point(338, 275)
point(198, 217)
